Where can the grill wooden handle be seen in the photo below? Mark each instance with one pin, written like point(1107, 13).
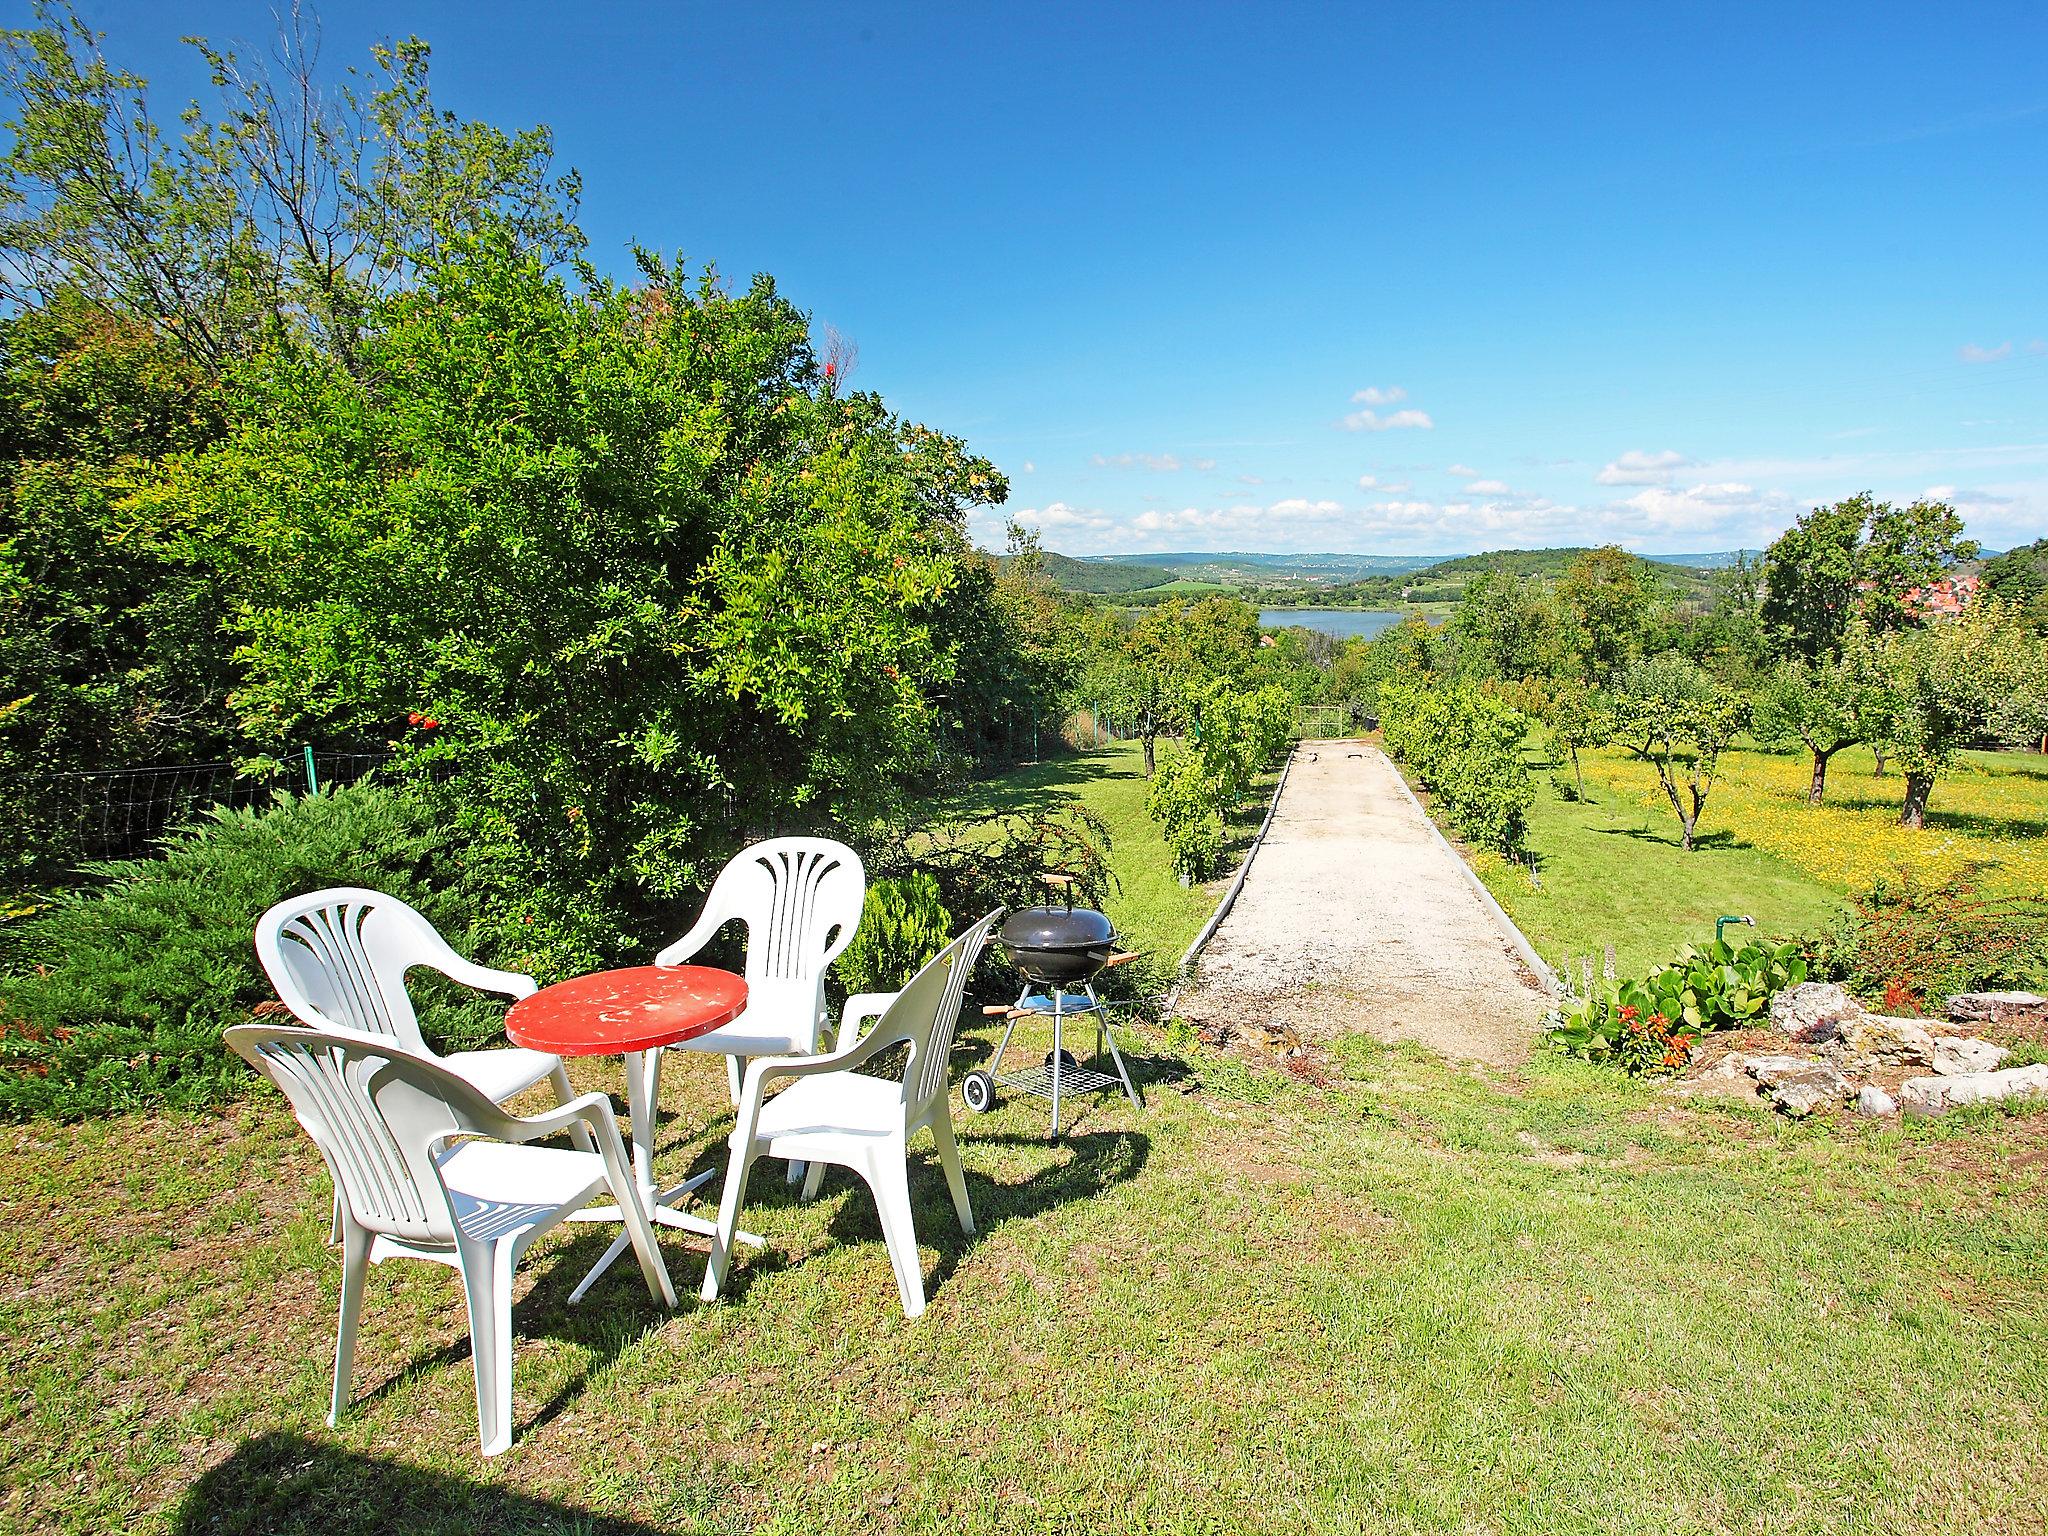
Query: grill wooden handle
point(1123, 957)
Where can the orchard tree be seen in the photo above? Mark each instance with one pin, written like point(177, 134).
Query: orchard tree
point(1825, 706)
point(1171, 651)
point(1906, 550)
point(1675, 717)
point(1580, 718)
point(1610, 598)
point(1948, 683)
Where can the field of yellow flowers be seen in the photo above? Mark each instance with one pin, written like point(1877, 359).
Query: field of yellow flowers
point(1988, 820)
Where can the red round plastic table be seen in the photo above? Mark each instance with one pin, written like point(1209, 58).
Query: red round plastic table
point(634, 1013)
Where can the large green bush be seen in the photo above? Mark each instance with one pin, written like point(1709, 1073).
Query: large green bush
point(114, 997)
point(1466, 747)
point(903, 923)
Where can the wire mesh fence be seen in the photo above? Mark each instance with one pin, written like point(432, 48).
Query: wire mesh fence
point(118, 812)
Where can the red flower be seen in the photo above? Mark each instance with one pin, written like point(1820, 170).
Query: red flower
point(428, 723)
point(414, 718)
point(1629, 1012)
point(1658, 1021)
point(830, 370)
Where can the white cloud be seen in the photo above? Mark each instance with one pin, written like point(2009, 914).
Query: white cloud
point(1487, 488)
point(1970, 352)
point(1394, 394)
point(1251, 480)
point(1205, 465)
point(1640, 467)
point(2037, 347)
point(1029, 467)
point(1462, 471)
point(1372, 421)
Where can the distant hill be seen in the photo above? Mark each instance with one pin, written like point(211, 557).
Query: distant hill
point(1104, 578)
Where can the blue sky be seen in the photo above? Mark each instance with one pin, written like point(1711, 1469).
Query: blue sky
point(1383, 278)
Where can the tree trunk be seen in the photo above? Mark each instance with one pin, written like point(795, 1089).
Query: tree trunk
point(1149, 730)
point(1918, 787)
point(1578, 779)
point(1878, 752)
point(1820, 775)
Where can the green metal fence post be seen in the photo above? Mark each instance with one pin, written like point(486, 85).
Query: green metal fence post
point(312, 775)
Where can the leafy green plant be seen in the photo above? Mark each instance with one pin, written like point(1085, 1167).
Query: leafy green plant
point(1649, 1025)
point(1183, 799)
point(903, 923)
point(1466, 747)
point(114, 997)
point(1911, 942)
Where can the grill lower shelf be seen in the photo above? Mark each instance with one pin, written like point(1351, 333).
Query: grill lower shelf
point(1038, 1080)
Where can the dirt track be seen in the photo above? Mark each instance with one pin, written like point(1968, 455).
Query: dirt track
point(1354, 917)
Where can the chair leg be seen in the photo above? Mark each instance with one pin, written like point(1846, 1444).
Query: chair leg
point(334, 1226)
point(728, 1222)
point(735, 1077)
point(887, 1171)
point(949, 1160)
point(355, 1265)
point(579, 1132)
point(814, 1175)
point(487, 1285)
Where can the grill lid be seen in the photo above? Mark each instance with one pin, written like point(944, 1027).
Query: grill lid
point(1056, 928)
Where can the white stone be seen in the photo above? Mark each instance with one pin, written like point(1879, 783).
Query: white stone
point(1957, 1055)
point(1937, 1095)
point(1773, 1070)
point(1877, 1038)
point(1993, 1007)
point(1873, 1100)
point(1813, 1011)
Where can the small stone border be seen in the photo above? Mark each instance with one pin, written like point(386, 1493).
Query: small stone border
point(1187, 960)
point(1517, 940)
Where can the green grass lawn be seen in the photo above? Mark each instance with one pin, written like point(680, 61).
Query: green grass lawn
point(1609, 869)
point(1150, 907)
point(1417, 1299)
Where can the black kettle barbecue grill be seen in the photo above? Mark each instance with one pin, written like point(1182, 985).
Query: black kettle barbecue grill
point(1059, 950)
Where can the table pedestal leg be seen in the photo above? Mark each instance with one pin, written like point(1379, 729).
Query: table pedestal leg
point(643, 1099)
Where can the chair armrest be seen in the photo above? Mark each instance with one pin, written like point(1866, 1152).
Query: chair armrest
point(763, 1069)
point(591, 1109)
point(709, 921)
point(510, 984)
point(860, 1008)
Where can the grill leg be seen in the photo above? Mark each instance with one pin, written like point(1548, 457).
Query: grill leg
point(1059, 998)
point(995, 1064)
point(1109, 1033)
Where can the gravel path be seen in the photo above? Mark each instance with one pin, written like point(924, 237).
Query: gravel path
point(1354, 917)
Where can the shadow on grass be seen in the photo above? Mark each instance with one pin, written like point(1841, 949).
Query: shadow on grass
point(1702, 841)
point(1033, 787)
point(1092, 1163)
point(283, 1482)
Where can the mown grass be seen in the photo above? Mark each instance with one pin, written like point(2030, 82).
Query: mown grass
point(1149, 906)
point(1417, 1299)
point(1609, 868)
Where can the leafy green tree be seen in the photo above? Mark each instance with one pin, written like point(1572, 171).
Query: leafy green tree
point(1825, 706)
point(1945, 684)
point(290, 206)
point(2019, 579)
point(1679, 720)
point(1906, 550)
point(1505, 627)
point(1169, 655)
point(1810, 578)
point(617, 570)
point(1580, 718)
point(1610, 598)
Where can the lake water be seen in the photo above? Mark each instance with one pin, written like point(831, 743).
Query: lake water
point(1341, 622)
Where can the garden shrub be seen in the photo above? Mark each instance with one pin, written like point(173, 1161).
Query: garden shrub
point(1466, 748)
point(1649, 1025)
point(903, 923)
point(1909, 942)
point(114, 996)
point(1183, 800)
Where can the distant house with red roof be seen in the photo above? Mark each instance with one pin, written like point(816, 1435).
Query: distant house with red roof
point(1946, 597)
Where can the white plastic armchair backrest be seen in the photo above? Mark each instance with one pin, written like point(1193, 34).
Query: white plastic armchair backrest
point(338, 958)
point(926, 1013)
point(800, 898)
point(378, 1114)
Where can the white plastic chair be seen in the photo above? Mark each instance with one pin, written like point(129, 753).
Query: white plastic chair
point(800, 898)
point(384, 1121)
point(339, 958)
point(833, 1114)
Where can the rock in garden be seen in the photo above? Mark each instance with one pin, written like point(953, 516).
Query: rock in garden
point(1773, 1070)
point(1876, 1039)
point(1727, 1078)
point(1798, 1086)
point(1813, 1011)
point(1957, 1055)
point(1937, 1095)
point(1994, 1007)
point(1873, 1100)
